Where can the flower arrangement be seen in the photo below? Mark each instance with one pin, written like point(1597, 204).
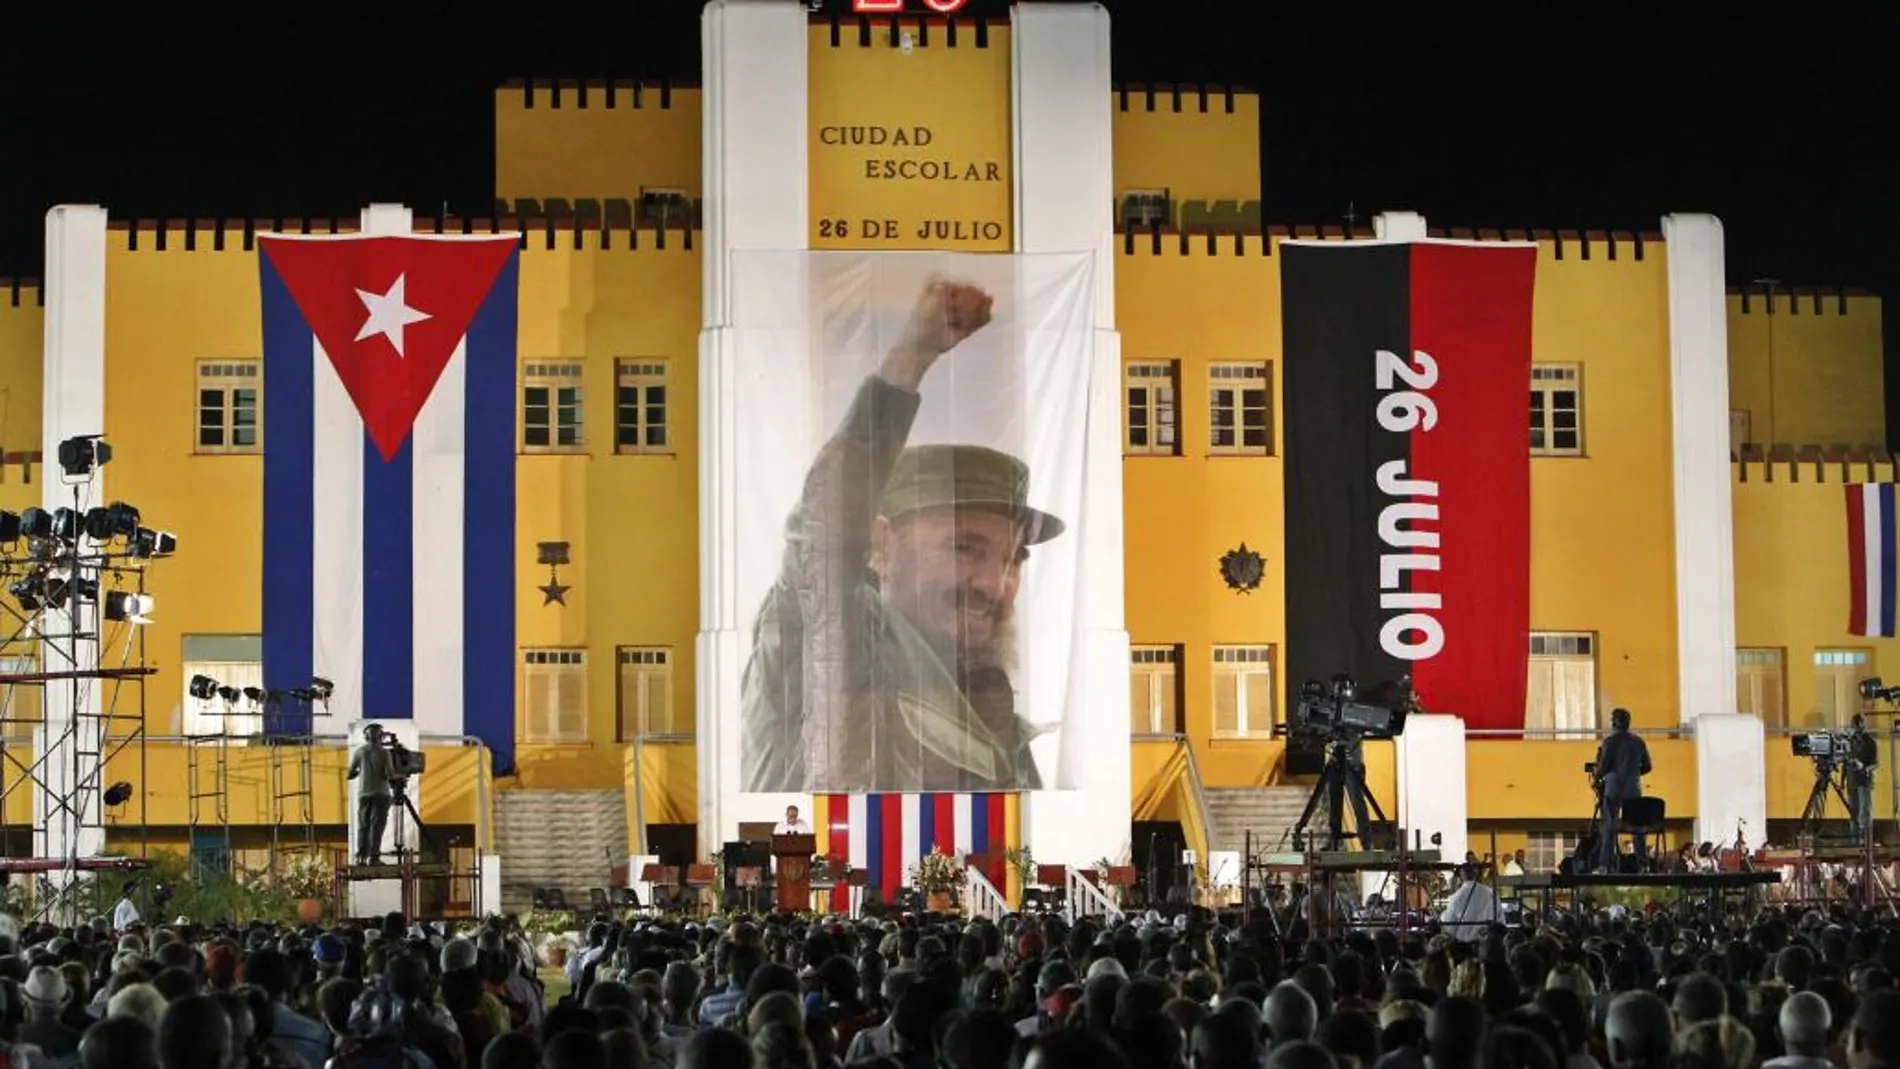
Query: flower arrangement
point(308, 876)
point(937, 871)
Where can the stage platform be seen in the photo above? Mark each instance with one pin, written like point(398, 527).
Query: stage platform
point(1686, 881)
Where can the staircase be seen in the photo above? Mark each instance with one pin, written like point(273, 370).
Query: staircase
point(1268, 812)
point(564, 839)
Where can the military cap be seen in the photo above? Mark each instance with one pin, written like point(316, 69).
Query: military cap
point(966, 476)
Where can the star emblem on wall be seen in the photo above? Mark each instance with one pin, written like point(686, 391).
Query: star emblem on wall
point(553, 592)
point(1242, 568)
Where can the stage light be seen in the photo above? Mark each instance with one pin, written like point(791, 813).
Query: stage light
point(30, 591)
point(229, 694)
point(203, 688)
point(118, 794)
point(9, 526)
point(56, 588)
point(97, 524)
point(321, 688)
point(122, 519)
point(79, 456)
point(65, 525)
point(131, 608)
point(85, 587)
point(149, 543)
point(36, 523)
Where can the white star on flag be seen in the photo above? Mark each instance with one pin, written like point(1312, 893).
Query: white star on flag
point(389, 313)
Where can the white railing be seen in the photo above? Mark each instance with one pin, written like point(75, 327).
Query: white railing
point(1085, 898)
point(980, 896)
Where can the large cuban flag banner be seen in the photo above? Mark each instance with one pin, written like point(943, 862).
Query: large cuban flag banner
point(389, 481)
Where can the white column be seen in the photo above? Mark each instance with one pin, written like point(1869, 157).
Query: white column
point(1731, 790)
point(73, 403)
point(1705, 550)
point(1064, 174)
point(755, 173)
point(1431, 768)
point(1399, 226)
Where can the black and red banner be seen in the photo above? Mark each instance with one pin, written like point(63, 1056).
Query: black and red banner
point(1406, 372)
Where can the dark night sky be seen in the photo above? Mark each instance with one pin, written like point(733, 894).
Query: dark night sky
point(1777, 120)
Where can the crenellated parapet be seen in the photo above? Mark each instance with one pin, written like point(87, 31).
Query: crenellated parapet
point(922, 30)
point(1787, 462)
point(21, 293)
point(1179, 97)
point(552, 223)
point(604, 94)
point(1778, 299)
point(1236, 228)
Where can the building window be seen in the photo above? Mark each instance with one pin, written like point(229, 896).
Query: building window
point(1239, 412)
point(1152, 415)
point(19, 703)
point(1545, 850)
point(207, 717)
point(1761, 688)
point(1837, 676)
point(640, 412)
point(230, 417)
point(1143, 209)
point(555, 701)
point(1562, 690)
point(551, 407)
point(1243, 692)
point(646, 695)
point(665, 207)
point(1153, 689)
point(1556, 410)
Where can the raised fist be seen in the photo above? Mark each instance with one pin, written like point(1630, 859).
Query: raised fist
point(947, 312)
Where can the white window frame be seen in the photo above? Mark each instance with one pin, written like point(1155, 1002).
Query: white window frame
point(1154, 688)
point(1569, 659)
point(1545, 850)
point(635, 716)
point(1839, 669)
point(642, 374)
point(241, 720)
point(1761, 679)
point(1228, 383)
point(1152, 388)
point(1547, 382)
point(1234, 666)
point(1144, 208)
point(234, 417)
point(554, 376)
point(544, 674)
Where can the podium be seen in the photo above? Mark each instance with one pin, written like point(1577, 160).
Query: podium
point(794, 853)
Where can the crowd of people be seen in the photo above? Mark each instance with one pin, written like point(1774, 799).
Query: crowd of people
point(1790, 989)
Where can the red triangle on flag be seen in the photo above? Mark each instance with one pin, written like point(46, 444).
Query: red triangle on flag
point(389, 311)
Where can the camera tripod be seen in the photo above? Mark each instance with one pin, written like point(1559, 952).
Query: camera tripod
point(399, 796)
point(1341, 781)
point(1828, 777)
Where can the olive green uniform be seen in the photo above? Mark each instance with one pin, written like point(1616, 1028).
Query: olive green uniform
point(842, 692)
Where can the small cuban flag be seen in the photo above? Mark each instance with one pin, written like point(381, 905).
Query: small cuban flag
point(389, 480)
point(1870, 559)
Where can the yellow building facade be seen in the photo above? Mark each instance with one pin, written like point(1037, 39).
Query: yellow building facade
point(606, 183)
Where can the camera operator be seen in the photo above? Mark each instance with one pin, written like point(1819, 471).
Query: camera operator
point(1862, 755)
point(1622, 762)
point(371, 762)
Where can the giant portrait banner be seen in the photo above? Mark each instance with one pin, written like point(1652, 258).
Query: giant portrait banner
point(1405, 371)
point(910, 443)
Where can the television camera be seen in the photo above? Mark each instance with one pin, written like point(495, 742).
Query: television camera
point(1339, 715)
point(1337, 711)
point(1821, 746)
point(403, 762)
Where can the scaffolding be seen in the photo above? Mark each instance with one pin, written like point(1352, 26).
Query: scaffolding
point(292, 796)
point(208, 807)
point(75, 595)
